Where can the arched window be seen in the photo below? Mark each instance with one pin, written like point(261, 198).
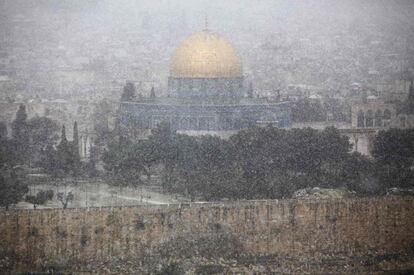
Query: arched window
point(360, 119)
point(378, 118)
point(369, 119)
point(387, 118)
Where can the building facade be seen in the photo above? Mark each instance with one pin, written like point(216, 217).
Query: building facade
point(205, 93)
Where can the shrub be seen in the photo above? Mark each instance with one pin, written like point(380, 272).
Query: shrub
point(40, 198)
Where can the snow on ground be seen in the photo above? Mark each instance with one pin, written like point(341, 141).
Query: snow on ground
point(98, 193)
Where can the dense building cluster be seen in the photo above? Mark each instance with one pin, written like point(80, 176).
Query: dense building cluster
point(59, 50)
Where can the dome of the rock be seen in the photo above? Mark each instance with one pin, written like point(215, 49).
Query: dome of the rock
point(205, 54)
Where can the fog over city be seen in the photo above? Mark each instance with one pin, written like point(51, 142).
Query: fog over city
point(178, 137)
point(62, 48)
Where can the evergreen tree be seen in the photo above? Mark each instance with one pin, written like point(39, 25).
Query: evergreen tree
point(152, 93)
point(19, 125)
point(8, 154)
point(3, 130)
point(50, 161)
point(20, 133)
point(63, 139)
point(12, 189)
point(75, 149)
point(43, 132)
point(75, 140)
point(393, 151)
point(101, 114)
point(64, 154)
point(410, 101)
point(128, 93)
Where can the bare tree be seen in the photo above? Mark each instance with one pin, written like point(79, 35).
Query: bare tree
point(65, 199)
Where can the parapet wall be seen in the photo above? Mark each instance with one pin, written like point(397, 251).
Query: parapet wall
point(35, 238)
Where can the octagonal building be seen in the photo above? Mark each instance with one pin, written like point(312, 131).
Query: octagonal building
point(205, 94)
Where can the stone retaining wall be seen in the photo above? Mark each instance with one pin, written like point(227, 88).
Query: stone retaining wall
point(34, 239)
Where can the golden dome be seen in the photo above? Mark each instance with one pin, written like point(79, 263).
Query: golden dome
point(205, 54)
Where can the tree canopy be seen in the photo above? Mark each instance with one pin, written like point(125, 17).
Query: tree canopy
point(128, 93)
point(12, 188)
point(256, 163)
point(393, 151)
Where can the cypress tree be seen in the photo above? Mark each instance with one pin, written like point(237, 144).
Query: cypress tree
point(20, 133)
point(128, 93)
point(3, 130)
point(152, 93)
point(75, 148)
point(64, 152)
point(63, 140)
point(410, 101)
point(75, 138)
point(12, 188)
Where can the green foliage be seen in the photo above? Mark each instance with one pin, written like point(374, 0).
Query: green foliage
point(100, 117)
point(172, 268)
point(128, 93)
point(393, 151)
point(12, 188)
point(305, 110)
point(126, 162)
point(275, 162)
point(210, 269)
point(152, 93)
point(65, 160)
point(410, 100)
point(50, 161)
point(21, 134)
point(64, 154)
point(8, 154)
point(255, 163)
point(89, 168)
point(3, 130)
point(30, 139)
point(34, 141)
point(43, 133)
point(339, 110)
point(75, 150)
point(40, 198)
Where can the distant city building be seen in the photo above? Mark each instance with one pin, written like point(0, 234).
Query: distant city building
point(377, 113)
point(373, 114)
point(205, 94)
point(405, 118)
